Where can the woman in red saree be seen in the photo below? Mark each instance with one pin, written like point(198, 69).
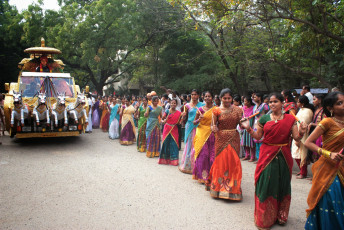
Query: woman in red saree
point(274, 168)
point(169, 153)
point(224, 179)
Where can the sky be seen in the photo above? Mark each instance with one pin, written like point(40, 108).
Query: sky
point(23, 4)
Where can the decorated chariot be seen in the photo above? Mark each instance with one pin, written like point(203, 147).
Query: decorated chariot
point(44, 102)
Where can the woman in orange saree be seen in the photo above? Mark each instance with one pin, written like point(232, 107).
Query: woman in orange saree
point(104, 120)
point(204, 141)
point(224, 180)
point(274, 168)
point(326, 197)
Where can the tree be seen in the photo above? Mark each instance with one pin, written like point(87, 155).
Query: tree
point(10, 44)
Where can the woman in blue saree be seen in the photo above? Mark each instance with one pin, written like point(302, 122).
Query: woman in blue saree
point(153, 128)
point(114, 119)
point(190, 109)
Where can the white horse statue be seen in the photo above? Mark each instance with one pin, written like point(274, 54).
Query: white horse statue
point(77, 110)
point(41, 111)
point(20, 111)
point(59, 110)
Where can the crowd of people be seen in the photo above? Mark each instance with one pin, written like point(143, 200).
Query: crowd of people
point(220, 131)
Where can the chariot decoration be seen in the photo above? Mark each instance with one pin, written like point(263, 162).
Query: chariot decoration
point(45, 101)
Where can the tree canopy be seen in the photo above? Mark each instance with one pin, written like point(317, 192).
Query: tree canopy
point(184, 44)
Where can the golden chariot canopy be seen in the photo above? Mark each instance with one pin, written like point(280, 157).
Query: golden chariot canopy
point(30, 64)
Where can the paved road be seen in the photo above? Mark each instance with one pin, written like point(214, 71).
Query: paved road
point(92, 182)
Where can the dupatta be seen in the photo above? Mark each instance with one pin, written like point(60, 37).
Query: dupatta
point(171, 126)
point(203, 130)
point(276, 138)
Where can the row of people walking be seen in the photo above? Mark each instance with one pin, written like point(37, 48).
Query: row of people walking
point(213, 144)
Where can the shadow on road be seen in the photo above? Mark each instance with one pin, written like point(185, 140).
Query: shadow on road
point(48, 141)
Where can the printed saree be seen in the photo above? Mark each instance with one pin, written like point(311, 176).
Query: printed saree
point(141, 137)
point(153, 136)
point(273, 172)
point(188, 159)
point(224, 179)
point(170, 148)
point(127, 136)
point(204, 144)
point(326, 197)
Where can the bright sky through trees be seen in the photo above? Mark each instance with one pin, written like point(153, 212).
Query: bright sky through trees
point(21, 5)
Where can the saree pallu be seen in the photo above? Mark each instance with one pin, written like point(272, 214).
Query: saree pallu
point(153, 132)
point(273, 173)
point(141, 137)
point(114, 123)
point(224, 180)
point(170, 146)
point(326, 197)
point(204, 144)
point(127, 136)
point(95, 115)
point(188, 158)
point(288, 106)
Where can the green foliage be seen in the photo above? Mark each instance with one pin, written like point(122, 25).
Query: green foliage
point(183, 44)
point(11, 50)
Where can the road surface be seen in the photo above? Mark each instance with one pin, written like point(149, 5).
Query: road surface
point(92, 182)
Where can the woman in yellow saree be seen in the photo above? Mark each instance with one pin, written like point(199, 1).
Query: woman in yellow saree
point(326, 197)
point(204, 141)
point(127, 136)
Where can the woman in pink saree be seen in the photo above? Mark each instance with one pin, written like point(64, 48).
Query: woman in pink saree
point(169, 153)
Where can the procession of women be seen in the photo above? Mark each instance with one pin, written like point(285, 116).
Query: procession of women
point(219, 131)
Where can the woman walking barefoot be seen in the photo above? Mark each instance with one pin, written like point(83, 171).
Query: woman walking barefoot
point(247, 141)
point(275, 163)
point(326, 197)
point(224, 180)
point(298, 148)
point(170, 146)
point(128, 130)
point(188, 159)
point(153, 136)
point(204, 141)
point(142, 124)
